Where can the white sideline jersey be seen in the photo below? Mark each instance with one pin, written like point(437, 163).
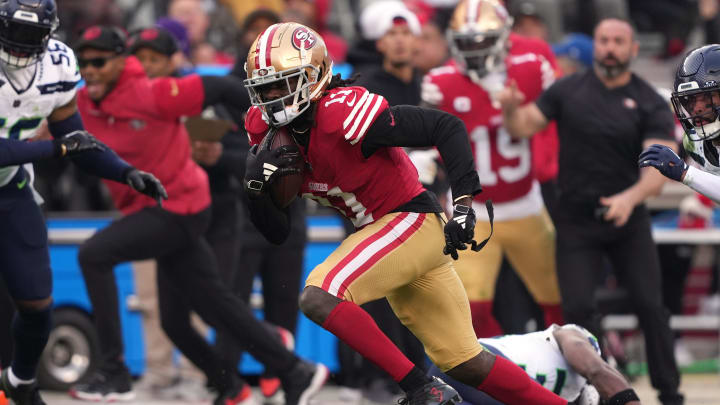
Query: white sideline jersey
point(53, 86)
point(539, 355)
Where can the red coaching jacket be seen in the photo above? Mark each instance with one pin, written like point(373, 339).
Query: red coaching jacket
point(141, 120)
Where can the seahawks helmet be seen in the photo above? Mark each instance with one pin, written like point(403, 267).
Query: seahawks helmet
point(696, 96)
point(25, 29)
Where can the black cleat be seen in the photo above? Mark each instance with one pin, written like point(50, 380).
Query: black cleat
point(303, 382)
point(24, 394)
point(436, 392)
point(106, 386)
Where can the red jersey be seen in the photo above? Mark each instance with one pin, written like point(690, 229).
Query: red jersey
point(504, 164)
point(361, 189)
point(140, 119)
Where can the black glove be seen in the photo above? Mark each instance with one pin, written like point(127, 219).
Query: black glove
point(460, 230)
point(665, 160)
point(263, 165)
point(147, 184)
point(77, 142)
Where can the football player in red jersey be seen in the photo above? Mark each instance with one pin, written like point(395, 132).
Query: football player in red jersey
point(351, 142)
point(486, 55)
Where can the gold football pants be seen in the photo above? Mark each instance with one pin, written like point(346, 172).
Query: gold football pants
point(400, 257)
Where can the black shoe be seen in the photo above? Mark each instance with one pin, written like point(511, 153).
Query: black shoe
point(106, 386)
point(303, 382)
point(436, 392)
point(671, 398)
point(24, 394)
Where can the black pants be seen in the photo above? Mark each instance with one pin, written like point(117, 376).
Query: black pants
point(187, 280)
point(280, 269)
point(582, 243)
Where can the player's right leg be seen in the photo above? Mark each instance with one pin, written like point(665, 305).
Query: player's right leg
point(370, 264)
point(435, 309)
point(25, 268)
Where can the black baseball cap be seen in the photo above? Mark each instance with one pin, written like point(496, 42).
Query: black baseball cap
point(155, 38)
point(105, 38)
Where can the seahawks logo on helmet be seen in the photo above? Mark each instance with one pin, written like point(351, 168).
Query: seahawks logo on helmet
point(696, 98)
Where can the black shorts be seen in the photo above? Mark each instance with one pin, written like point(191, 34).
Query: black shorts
point(24, 257)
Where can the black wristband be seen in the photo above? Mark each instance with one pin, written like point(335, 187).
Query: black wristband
point(623, 397)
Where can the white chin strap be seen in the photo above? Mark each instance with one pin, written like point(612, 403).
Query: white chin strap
point(285, 116)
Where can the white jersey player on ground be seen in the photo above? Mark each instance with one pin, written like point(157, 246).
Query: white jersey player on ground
point(564, 359)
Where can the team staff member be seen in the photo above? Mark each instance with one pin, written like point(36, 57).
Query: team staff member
point(141, 118)
point(395, 30)
point(279, 268)
point(605, 117)
point(158, 52)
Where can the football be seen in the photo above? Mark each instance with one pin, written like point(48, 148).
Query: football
point(284, 189)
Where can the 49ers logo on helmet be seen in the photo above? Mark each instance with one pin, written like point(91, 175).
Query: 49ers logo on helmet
point(302, 38)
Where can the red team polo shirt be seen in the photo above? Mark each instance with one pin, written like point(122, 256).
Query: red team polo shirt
point(361, 189)
point(140, 119)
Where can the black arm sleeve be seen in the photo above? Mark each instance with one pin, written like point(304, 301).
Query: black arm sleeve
point(410, 126)
point(272, 222)
point(228, 90)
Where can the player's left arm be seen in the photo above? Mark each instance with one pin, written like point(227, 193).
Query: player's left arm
point(583, 358)
point(410, 126)
point(65, 121)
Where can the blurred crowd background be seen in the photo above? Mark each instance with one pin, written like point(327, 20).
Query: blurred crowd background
point(217, 34)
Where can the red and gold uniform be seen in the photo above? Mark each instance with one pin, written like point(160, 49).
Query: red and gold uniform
point(523, 230)
point(397, 255)
point(352, 143)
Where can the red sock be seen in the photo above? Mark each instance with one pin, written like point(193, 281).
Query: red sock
point(483, 320)
point(553, 314)
point(510, 385)
point(354, 326)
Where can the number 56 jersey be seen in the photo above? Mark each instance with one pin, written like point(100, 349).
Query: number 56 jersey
point(504, 164)
point(32, 93)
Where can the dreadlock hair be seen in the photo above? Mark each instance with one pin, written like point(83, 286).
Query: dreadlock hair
point(337, 81)
point(302, 124)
